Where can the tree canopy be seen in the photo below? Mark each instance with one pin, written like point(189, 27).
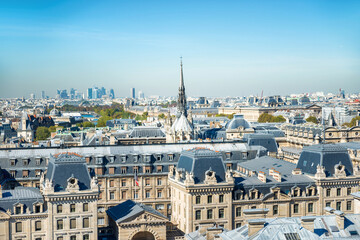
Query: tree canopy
point(42, 133)
point(265, 117)
point(312, 119)
point(352, 123)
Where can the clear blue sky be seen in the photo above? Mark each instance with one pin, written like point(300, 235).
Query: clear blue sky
point(229, 48)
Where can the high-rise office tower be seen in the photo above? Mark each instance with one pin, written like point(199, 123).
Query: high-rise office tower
point(89, 93)
point(43, 94)
point(132, 93)
point(141, 95)
point(112, 94)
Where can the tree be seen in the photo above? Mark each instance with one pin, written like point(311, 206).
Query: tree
point(265, 117)
point(145, 115)
point(279, 118)
point(52, 129)
point(42, 133)
point(161, 116)
point(312, 119)
point(352, 123)
point(102, 121)
point(88, 124)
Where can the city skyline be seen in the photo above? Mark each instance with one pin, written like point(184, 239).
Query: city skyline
point(229, 48)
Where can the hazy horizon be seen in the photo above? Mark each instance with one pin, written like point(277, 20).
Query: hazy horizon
point(229, 48)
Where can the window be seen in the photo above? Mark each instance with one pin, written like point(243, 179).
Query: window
point(18, 210)
point(85, 207)
point(159, 206)
point(159, 181)
point(112, 183)
point(13, 173)
point(123, 159)
point(136, 194)
point(171, 157)
point(275, 209)
point(147, 169)
point(159, 193)
point(296, 193)
point(197, 214)
point(328, 204)
point(112, 195)
point(221, 213)
point(228, 156)
point(38, 226)
point(348, 191)
point(338, 206)
point(159, 169)
point(12, 162)
point(60, 224)
point(348, 205)
point(60, 238)
point(310, 207)
point(253, 195)
point(221, 198)
point(197, 199)
point(238, 225)
point(38, 161)
point(101, 221)
point(72, 223)
point(123, 194)
point(18, 227)
point(73, 237)
point(147, 182)
point(123, 183)
point(209, 214)
point(276, 195)
point(123, 170)
point(210, 199)
point(86, 237)
point(328, 192)
point(296, 208)
point(25, 162)
point(37, 208)
point(147, 194)
point(72, 207)
point(136, 170)
point(25, 173)
point(85, 222)
point(238, 212)
point(338, 192)
point(37, 173)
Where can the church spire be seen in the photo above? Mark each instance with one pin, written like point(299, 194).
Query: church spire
point(181, 103)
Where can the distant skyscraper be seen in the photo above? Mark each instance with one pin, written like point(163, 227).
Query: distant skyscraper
point(112, 94)
point(141, 95)
point(132, 92)
point(89, 93)
point(32, 95)
point(103, 91)
point(72, 93)
point(43, 94)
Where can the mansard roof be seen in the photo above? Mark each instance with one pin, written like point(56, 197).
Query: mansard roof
point(197, 161)
point(261, 139)
point(146, 132)
point(129, 210)
point(62, 166)
point(20, 195)
point(326, 155)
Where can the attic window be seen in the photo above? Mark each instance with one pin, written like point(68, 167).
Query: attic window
point(228, 155)
point(38, 161)
point(37, 173)
point(123, 159)
point(99, 160)
point(171, 157)
point(136, 157)
point(111, 159)
point(158, 157)
point(25, 173)
point(12, 162)
point(26, 162)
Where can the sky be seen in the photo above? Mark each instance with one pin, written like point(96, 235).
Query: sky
point(229, 48)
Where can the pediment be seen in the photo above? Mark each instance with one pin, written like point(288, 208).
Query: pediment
point(145, 218)
point(4, 215)
point(270, 197)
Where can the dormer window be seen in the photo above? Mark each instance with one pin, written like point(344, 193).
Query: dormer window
point(38, 161)
point(171, 157)
point(38, 173)
point(12, 162)
point(111, 159)
point(123, 159)
point(147, 158)
point(244, 155)
point(136, 158)
point(25, 162)
point(38, 208)
point(228, 155)
point(18, 209)
point(99, 160)
point(158, 157)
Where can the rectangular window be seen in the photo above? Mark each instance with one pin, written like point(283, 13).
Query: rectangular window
point(197, 214)
point(18, 210)
point(348, 205)
point(72, 223)
point(112, 195)
point(18, 227)
point(38, 226)
point(159, 206)
point(237, 225)
point(85, 222)
point(112, 183)
point(275, 209)
point(147, 169)
point(209, 214)
point(123, 170)
point(238, 212)
point(159, 194)
point(101, 221)
point(253, 195)
point(296, 193)
point(37, 208)
point(123, 195)
point(136, 194)
point(72, 207)
point(348, 191)
point(159, 169)
point(13, 173)
point(338, 206)
point(147, 182)
point(276, 195)
point(221, 213)
point(328, 204)
point(171, 157)
point(73, 237)
point(12, 162)
point(158, 157)
point(25, 173)
point(123, 183)
point(338, 192)
point(86, 237)
point(210, 199)
point(37, 173)
point(310, 207)
point(221, 198)
point(296, 208)
point(38, 161)
point(147, 194)
point(328, 192)
point(85, 207)
point(197, 200)
point(60, 224)
point(136, 170)
point(159, 181)
point(310, 192)
point(25, 162)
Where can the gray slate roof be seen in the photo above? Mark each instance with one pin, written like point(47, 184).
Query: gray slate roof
point(24, 195)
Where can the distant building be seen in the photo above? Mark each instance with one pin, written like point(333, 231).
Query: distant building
point(43, 95)
point(32, 95)
point(112, 94)
point(89, 93)
point(141, 95)
point(132, 93)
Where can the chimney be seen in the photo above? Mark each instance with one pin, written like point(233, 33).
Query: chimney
point(340, 219)
point(255, 225)
point(262, 176)
point(308, 223)
point(275, 174)
point(296, 171)
point(329, 210)
point(255, 213)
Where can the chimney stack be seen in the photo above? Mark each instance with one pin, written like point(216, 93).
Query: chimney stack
point(308, 223)
point(340, 219)
point(255, 225)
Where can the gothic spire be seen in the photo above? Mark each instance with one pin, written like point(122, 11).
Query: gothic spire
point(181, 103)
